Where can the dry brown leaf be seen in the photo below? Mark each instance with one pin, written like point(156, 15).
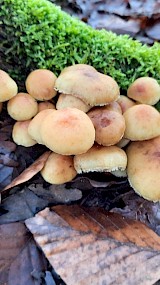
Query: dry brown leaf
point(91, 246)
point(19, 256)
point(28, 173)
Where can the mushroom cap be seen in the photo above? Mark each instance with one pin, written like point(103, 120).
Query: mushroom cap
point(8, 87)
point(89, 85)
point(35, 125)
point(79, 66)
point(145, 90)
point(125, 103)
point(109, 125)
point(20, 134)
point(22, 107)
point(142, 122)
point(58, 169)
point(68, 131)
point(69, 101)
point(113, 106)
point(45, 105)
point(101, 159)
point(40, 84)
point(143, 168)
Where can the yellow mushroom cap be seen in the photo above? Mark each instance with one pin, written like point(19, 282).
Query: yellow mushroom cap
point(20, 134)
point(40, 84)
point(35, 125)
point(145, 90)
point(69, 101)
point(101, 159)
point(68, 131)
point(92, 87)
point(143, 168)
point(8, 87)
point(58, 169)
point(142, 122)
point(109, 125)
point(45, 105)
point(22, 107)
point(125, 103)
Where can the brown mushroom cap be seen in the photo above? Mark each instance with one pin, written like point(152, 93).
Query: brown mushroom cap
point(109, 126)
point(143, 168)
point(69, 101)
point(35, 125)
point(142, 122)
point(101, 159)
point(22, 107)
point(58, 169)
point(87, 84)
point(20, 134)
point(68, 131)
point(125, 103)
point(40, 84)
point(8, 87)
point(45, 105)
point(144, 90)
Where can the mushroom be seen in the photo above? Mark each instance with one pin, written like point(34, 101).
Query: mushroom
point(145, 90)
point(69, 101)
point(114, 106)
point(143, 168)
point(89, 85)
point(58, 169)
point(101, 159)
point(45, 105)
point(142, 122)
point(20, 134)
point(40, 84)
point(8, 87)
point(68, 131)
point(35, 125)
point(22, 107)
point(123, 142)
point(109, 125)
point(125, 103)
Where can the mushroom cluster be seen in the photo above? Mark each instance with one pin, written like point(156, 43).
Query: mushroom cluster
point(89, 126)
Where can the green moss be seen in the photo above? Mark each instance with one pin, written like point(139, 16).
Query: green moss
point(37, 34)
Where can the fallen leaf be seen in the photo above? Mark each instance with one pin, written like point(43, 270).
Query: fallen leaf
point(91, 246)
point(28, 173)
point(19, 256)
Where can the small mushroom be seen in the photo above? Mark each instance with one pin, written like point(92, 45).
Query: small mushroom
point(8, 87)
point(45, 105)
point(22, 107)
point(109, 125)
point(89, 85)
point(114, 106)
point(142, 123)
point(145, 90)
point(40, 84)
point(20, 134)
point(68, 131)
point(143, 168)
point(58, 169)
point(69, 101)
point(101, 159)
point(35, 125)
point(125, 103)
